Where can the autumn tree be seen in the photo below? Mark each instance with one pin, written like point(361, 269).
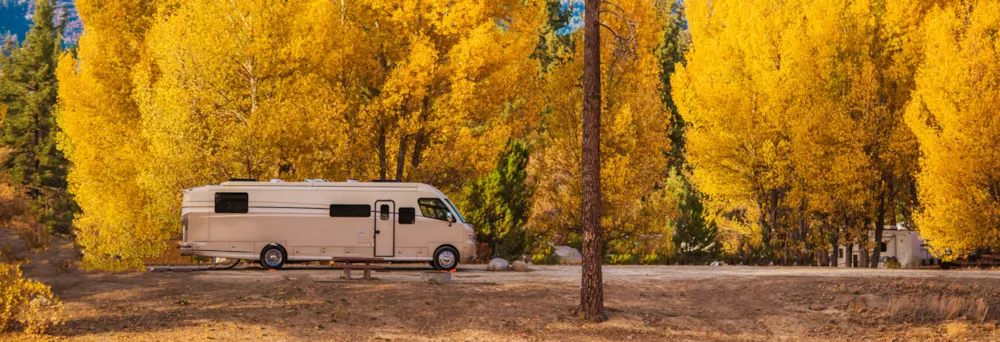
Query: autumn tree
point(443, 85)
point(28, 88)
point(736, 111)
point(795, 116)
point(103, 137)
point(954, 114)
point(284, 90)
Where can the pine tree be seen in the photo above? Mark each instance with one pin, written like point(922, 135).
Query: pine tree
point(500, 203)
point(694, 231)
point(28, 89)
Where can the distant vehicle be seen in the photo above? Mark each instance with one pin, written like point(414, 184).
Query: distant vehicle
point(278, 222)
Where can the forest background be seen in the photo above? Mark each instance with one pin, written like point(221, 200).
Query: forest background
point(752, 131)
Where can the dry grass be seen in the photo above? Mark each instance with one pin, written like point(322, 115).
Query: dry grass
point(937, 309)
point(956, 329)
point(15, 213)
point(36, 236)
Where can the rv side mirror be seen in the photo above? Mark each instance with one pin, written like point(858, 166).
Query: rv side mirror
point(451, 218)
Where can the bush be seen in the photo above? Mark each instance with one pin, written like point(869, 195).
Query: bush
point(26, 302)
point(893, 263)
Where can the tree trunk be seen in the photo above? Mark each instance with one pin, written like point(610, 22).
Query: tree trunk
point(849, 253)
point(879, 223)
point(382, 158)
point(864, 243)
point(401, 158)
point(592, 287)
point(836, 247)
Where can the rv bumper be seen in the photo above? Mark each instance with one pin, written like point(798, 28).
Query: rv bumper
point(468, 252)
point(189, 248)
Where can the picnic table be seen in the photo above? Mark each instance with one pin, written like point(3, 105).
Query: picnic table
point(367, 264)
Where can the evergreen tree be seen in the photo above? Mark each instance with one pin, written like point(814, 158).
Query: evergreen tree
point(28, 89)
point(694, 233)
point(500, 203)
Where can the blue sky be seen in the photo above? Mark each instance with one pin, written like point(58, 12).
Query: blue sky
point(15, 19)
point(576, 16)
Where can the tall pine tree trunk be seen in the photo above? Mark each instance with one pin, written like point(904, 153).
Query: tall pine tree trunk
point(592, 288)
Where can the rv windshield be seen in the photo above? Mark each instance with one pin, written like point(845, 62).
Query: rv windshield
point(455, 209)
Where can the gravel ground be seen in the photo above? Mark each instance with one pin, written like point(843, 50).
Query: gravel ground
point(646, 303)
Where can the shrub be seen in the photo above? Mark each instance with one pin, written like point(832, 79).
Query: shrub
point(893, 263)
point(26, 302)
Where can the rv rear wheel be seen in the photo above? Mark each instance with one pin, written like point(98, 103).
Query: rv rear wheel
point(446, 258)
point(273, 257)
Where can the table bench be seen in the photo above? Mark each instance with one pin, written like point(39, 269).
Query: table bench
point(359, 263)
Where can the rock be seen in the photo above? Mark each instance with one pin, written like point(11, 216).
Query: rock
point(436, 277)
point(569, 256)
point(497, 264)
point(519, 266)
point(715, 263)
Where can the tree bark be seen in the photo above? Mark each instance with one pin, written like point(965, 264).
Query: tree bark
point(836, 247)
point(592, 287)
point(879, 224)
point(383, 163)
point(849, 253)
point(401, 158)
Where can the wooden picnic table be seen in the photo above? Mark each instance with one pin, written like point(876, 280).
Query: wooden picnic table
point(367, 264)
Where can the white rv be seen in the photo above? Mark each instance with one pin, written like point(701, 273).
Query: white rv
point(275, 222)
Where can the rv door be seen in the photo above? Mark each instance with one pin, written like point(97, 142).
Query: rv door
point(385, 228)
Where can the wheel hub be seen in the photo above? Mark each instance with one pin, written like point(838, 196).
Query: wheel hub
point(446, 259)
point(272, 257)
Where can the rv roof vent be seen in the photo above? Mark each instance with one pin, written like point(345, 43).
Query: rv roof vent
point(243, 179)
point(352, 180)
point(275, 180)
point(315, 180)
point(386, 181)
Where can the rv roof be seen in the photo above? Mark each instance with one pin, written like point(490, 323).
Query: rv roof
point(324, 184)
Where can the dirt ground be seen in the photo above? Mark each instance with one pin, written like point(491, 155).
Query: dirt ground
point(644, 303)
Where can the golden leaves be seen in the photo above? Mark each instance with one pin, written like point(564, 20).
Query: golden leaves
point(954, 114)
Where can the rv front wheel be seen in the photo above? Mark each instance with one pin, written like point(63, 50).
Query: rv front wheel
point(272, 257)
point(446, 258)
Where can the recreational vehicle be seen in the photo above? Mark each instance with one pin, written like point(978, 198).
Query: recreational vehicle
point(278, 222)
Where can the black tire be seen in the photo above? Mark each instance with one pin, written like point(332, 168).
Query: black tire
point(445, 258)
point(273, 257)
point(435, 266)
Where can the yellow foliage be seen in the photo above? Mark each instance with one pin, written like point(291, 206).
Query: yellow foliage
point(190, 93)
point(101, 136)
point(795, 113)
point(27, 302)
point(633, 142)
point(954, 114)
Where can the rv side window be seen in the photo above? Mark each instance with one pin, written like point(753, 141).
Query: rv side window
point(232, 202)
point(350, 210)
point(407, 215)
point(433, 208)
point(384, 212)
